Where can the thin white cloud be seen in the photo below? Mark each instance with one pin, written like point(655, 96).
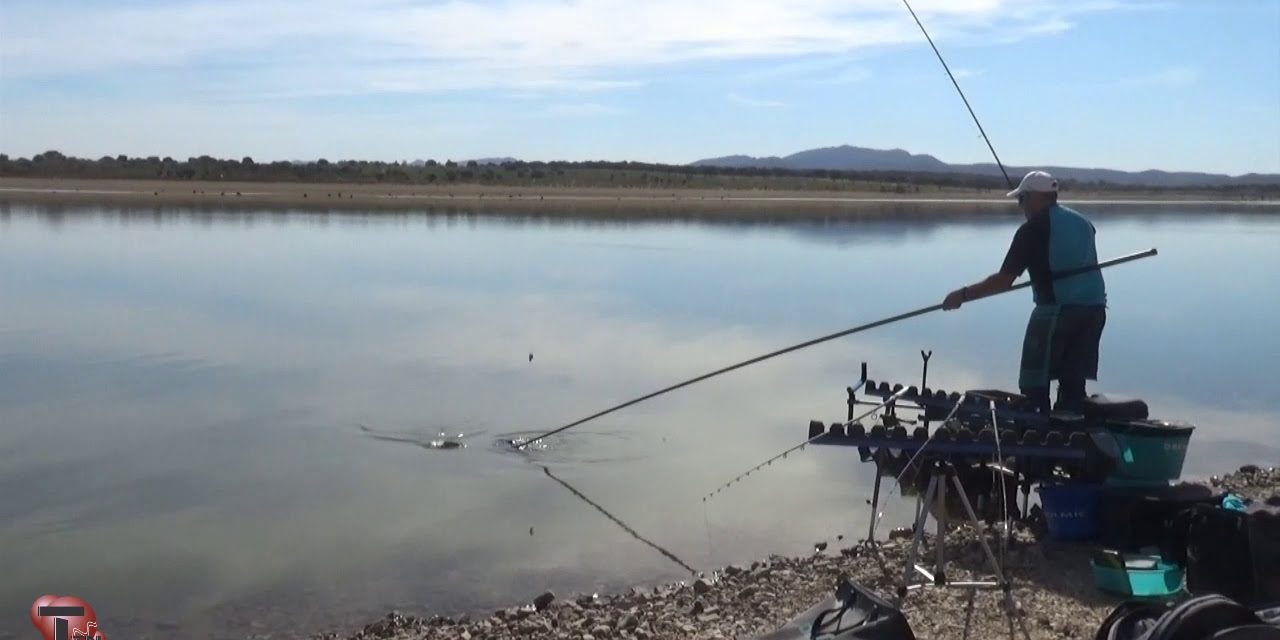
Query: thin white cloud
point(584, 109)
point(755, 102)
point(850, 75)
point(968, 73)
point(343, 46)
point(93, 128)
point(1168, 78)
point(790, 69)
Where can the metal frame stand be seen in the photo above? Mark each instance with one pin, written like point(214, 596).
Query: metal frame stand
point(941, 473)
point(870, 541)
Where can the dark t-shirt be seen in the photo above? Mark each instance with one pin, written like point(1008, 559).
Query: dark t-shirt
point(1029, 251)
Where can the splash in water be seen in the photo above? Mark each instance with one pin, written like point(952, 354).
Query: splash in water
point(442, 440)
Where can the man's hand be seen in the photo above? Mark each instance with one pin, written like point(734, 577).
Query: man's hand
point(990, 285)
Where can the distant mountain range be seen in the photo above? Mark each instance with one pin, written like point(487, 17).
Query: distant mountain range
point(849, 158)
point(481, 161)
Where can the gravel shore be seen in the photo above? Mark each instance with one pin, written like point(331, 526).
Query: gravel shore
point(1052, 586)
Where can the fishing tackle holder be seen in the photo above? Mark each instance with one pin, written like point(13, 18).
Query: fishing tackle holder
point(1033, 447)
point(953, 442)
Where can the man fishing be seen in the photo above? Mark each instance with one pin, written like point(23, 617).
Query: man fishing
point(1065, 328)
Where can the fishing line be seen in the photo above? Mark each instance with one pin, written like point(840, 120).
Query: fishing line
point(897, 480)
point(625, 527)
point(961, 92)
point(748, 472)
point(706, 521)
point(1004, 489)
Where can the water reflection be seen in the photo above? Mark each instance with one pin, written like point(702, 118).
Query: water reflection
point(180, 391)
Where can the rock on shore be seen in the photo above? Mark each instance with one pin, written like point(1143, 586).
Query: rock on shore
point(1052, 586)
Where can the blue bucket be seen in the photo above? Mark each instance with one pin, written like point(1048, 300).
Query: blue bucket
point(1070, 510)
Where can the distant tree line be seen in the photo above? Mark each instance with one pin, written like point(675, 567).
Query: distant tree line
point(53, 164)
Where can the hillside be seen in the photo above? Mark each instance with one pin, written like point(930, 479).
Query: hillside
point(850, 158)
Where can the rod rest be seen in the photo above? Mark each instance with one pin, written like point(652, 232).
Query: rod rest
point(1031, 442)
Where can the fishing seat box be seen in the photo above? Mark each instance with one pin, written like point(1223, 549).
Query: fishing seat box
point(1235, 553)
point(1148, 452)
point(1100, 407)
point(1133, 518)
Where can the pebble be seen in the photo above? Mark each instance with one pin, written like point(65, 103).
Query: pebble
point(900, 533)
point(543, 601)
point(1053, 588)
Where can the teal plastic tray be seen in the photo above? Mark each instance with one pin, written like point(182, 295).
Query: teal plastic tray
point(1136, 575)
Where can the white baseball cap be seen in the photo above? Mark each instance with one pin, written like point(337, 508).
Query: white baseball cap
point(1038, 181)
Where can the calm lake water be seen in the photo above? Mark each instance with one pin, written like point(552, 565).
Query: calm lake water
point(181, 394)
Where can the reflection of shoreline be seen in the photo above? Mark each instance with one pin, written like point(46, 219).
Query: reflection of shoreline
point(855, 224)
point(617, 203)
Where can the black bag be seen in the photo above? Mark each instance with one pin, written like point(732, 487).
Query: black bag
point(853, 613)
point(1200, 618)
point(1249, 632)
point(1131, 619)
point(1235, 553)
point(1208, 617)
point(1132, 518)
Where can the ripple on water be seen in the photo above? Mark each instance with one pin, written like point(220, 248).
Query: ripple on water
point(441, 440)
point(565, 448)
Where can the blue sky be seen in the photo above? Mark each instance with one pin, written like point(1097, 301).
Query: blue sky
point(1127, 84)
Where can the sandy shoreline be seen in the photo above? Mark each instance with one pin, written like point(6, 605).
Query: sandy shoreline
point(1052, 584)
point(623, 202)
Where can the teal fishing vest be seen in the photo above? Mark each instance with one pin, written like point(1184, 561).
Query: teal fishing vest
point(1071, 246)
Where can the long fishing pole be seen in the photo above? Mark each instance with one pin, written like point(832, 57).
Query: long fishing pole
point(961, 92)
point(809, 343)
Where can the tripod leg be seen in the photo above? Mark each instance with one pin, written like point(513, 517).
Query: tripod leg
point(939, 568)
point(919, 503)
point(875, 505)
point(1011, 612)
point(982, 534)
point(1010, 609)
point(909, 566)
point(968, 613)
